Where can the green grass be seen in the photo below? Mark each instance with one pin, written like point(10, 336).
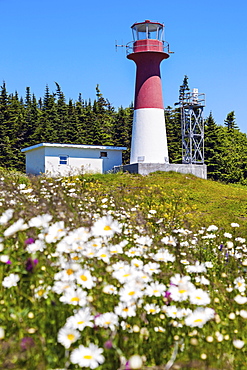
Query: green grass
point(209, 202)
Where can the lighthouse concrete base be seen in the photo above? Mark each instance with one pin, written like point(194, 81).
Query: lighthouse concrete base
point(199, 170)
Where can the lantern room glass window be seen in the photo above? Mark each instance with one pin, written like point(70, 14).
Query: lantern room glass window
point(144, 31)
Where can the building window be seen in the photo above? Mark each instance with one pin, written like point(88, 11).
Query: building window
point(63, 159)
point(103, 154)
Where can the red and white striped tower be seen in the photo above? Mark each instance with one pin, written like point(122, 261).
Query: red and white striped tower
point(149, 142)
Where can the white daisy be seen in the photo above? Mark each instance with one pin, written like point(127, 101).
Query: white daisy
point(10, 281)
point(74, 297)
point(107, 320)
point(151, 308)
point(130, 293)
point(125, 310)
point(85, 278)
point(106, 227)
point(199, 297)
point(155, 289)
point(199, 317)
point(152, 268)
point(87, 356)
point(66, 336)
point(81, 319)
point(240, 284)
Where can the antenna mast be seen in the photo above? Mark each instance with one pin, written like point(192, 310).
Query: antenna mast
point(192, 126)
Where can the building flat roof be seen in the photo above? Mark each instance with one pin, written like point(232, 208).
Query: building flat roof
point(75, 146)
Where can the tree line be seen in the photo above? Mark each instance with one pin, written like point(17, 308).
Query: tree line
point(28, 121)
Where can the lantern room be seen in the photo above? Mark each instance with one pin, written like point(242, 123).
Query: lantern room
point(147, 36)
point(148, 30)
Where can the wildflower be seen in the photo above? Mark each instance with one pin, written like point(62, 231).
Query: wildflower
point(197, 268)
point(36, 246)
point(228, 235)
point(159, 329)
point(199, 297)
point(229, 244)
point(172, 311)
point(85, 278)
point(26, 343)
point(243, 314)
point(87, 356)
point(151, 308)
point(181, 292)
point(30, 264)
point(152, 268)
point(169, 240)
point(106, 227)
point(81, 319)
point(108, 344)
point(40, 221)
point(155, 289)
point(110, 289)
point(66, 336)
point(212, 228)
point(74, 297)
point(55, 232)
point(130, 292)
point(107, 320)
point(29, 241)
point(238, 343)
point(240, 284)
point(6, 216)
point(104, 255)
point(164, 256)
point(202, 280)
point(2, 333)
point(199, 317)
point(234, 224)
point(125, 310)
point(240, 299)
point(10, 281)
point(135, 362)
point(15, 227)
point(136, 263)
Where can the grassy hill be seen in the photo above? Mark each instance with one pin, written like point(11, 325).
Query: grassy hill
point(206, 202)
point(125, 266)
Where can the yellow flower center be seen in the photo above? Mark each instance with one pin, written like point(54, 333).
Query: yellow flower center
point(69, 271)
point(80, 322)
point(107, 228)
point(198, 320)
point(182, 291)
point(131, 293)
point(83, 277)
point(74, 299)
point(70, 337)
point(88, 357)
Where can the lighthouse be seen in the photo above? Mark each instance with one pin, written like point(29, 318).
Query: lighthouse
point(147, 50)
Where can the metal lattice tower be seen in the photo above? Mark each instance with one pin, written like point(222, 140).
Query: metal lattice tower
point(192, 126)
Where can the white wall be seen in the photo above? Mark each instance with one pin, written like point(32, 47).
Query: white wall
point(35, 161)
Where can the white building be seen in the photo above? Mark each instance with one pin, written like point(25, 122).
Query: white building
point(71, 159)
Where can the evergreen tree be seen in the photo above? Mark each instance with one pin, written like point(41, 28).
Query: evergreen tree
point(174, 137)
point(212, 147)
point(230, 121)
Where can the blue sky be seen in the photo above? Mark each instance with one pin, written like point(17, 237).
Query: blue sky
point(73, 43)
